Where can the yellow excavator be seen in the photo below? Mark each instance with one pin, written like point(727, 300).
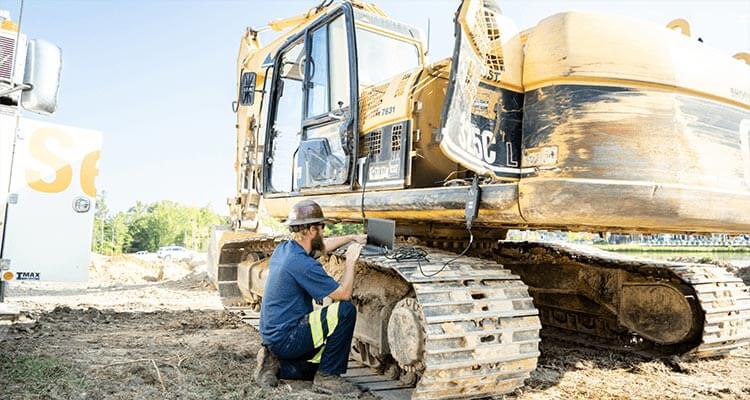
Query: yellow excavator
point(581, 123)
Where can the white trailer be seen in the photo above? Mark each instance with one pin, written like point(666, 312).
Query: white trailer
point(47, 171)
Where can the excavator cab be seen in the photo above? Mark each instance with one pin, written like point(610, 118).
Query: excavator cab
point(321, 77)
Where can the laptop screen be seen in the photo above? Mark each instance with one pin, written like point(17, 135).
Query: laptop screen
point(381, 232)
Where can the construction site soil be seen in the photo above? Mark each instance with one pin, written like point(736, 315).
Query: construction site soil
point(156, 330)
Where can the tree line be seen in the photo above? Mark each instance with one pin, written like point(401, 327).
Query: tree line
point(148, 226)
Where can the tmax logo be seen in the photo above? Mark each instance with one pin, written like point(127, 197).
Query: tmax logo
point(27, 276)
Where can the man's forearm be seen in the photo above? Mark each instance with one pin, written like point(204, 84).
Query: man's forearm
point(333, 243)
point(347, 281)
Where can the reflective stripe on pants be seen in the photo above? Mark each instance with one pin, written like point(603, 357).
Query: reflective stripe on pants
point(319, 330)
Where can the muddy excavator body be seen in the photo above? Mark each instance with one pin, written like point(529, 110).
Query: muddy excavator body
point(583, 123)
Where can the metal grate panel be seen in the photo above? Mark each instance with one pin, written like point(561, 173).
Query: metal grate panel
point(486, 36)
point(373, 142)
point(7, 45)
point(396, 133)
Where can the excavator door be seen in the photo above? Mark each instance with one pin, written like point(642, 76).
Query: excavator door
point(312, 115)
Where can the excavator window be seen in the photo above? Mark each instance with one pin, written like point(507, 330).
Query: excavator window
point(313, 139)
point(339, 64)
point(317, 87)
point(285, 136)
point(381, 58)
point(328, 68)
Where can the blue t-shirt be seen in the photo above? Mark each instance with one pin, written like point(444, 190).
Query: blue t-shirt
point(294, 279)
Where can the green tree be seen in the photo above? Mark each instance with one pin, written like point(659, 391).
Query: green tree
point(150, 226)
point(100, 215)
point(121, 237)
point(110, 234)
point(343, 229)
point(166, 223)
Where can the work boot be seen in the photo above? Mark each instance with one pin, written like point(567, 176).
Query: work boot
point(266, 368)
point(333, 384)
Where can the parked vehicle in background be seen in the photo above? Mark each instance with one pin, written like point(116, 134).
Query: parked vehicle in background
point(177, 253)
point(146, 255)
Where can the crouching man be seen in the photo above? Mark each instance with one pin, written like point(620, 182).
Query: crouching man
point(299, 343)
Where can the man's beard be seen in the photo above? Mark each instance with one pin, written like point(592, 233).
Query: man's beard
point(317, 243)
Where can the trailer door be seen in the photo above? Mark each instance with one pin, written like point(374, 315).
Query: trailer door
point(50, 213)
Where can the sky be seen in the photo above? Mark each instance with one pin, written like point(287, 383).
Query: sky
point(158, 77)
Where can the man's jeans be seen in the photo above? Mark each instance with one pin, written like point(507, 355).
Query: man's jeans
point(321, 340)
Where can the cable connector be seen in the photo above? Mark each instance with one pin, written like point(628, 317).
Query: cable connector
point(472, 202)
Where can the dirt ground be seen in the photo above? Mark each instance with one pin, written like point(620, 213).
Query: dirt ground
point(147, 330)
point(136, 330)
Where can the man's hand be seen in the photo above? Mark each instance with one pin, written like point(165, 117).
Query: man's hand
point(352, 253)
point(361, 239)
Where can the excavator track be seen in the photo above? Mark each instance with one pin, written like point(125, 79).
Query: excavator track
point(725, 301)
point(720, 301)
point(479, 329)
point(469, 331)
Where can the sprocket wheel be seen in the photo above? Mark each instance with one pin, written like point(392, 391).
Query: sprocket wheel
point(406, 335)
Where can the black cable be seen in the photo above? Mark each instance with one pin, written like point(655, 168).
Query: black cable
point(365, 178)
point(407, 253)
point(418, 255)
point(468, 246)
point(364, 186)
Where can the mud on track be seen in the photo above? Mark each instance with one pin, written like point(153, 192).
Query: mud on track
point(150, 330)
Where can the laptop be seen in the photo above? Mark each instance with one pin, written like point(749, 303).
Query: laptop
point(381, 234)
